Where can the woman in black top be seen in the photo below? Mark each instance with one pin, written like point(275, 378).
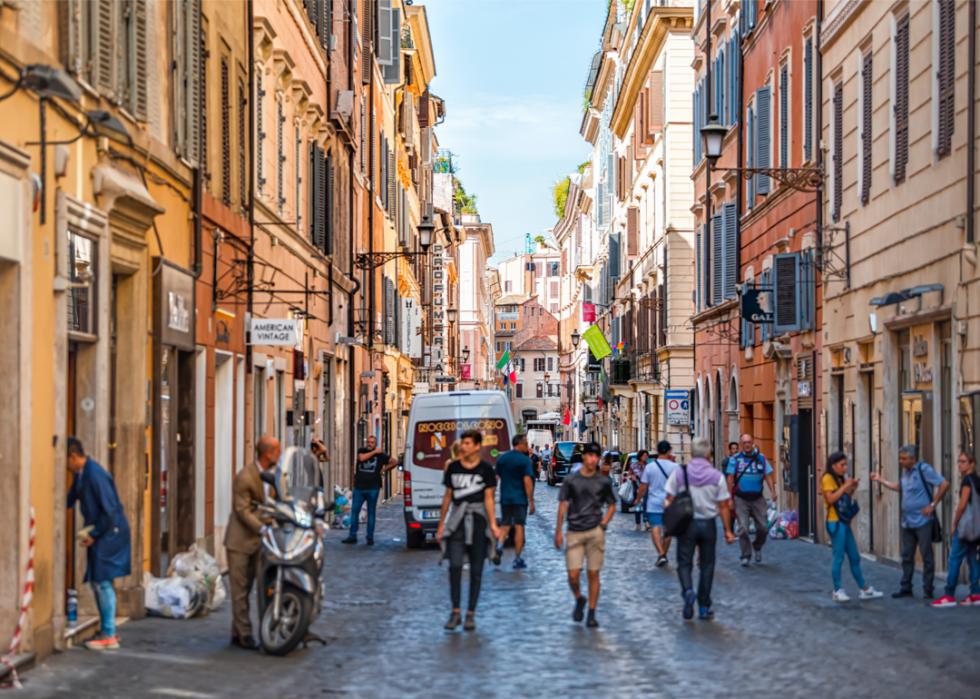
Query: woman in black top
point(467, 525)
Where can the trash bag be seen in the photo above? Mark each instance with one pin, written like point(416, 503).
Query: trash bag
point(174, 597)
point(195, 564)
point(786, 526)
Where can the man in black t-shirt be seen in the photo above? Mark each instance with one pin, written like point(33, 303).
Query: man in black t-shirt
point(371, 465)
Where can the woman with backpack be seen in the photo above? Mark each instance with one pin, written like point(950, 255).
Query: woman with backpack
point(966, 535)
point(838, 494)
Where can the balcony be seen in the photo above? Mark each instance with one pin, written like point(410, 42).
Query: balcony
point(620, 372)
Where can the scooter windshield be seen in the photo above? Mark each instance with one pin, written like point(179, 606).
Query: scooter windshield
point(299, 475)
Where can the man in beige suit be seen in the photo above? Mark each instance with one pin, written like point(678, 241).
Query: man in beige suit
point(242, 538)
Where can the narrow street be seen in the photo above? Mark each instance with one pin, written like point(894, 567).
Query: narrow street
point(386, 605)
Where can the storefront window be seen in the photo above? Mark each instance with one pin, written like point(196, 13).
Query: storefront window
point(82, 270)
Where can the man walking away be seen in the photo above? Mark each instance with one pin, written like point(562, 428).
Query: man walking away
point(242, 538)
point(638, 466)
point(535, 457)
point(963, 547)
point(516, 477)
point(709, 493)
point(921, 489)
point(747, 471)
point(105, 535)
point(653, 485)
point(372, 464)
point(581, 499)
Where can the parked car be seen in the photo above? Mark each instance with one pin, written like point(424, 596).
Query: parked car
point(563, 457)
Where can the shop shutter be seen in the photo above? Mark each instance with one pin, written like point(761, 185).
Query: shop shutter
point(946, 75)
point(632, 230)
point(838, 154)
point(106, 40)
point(808, 99)
point(698, 271)
point(730, 217)
point(717, 260)
point(866, 140)
point(763, 139)
point(329, 213)
point(784, 116)
point(226, 134)
point(384, 45)
point(786, 292)
point(392, 73)
point(901, 105)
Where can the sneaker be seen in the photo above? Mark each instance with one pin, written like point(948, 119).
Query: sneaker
point(579, 612)
point(348, 540)
point(689, 598)
point(870, 593)
point(592, 622)
point(661, 561)
point(706, 613)
point(519, 564)
point(103, 643)
point(497, 553)
point(971, 601)
point(744, 561)
point(840, 596)
point(470, 623)
point(944, 601)
point(454, 621)
point(758, 556)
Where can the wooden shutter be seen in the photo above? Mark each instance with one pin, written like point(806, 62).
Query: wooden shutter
point(786, 292)
point(763, 138)
point(392, 73)
point(661, 309)
point(694, 131)
point(318, 198)
point(326, 23)
point(784, 116)
point(104, 51)
point(750, 157)
point(190, 73)
point(866, 106)
point(765, 329)
point(808, 99)
point(698, 271)
point(946, 75)
point(901, 104)
point(808, 310)
point(367, 25)
point(730, 218)
point(706, 265)
point(391, 173)
point(280, 154)
point(70, 43)
point(140, 56)
point(383, 51)
point(615, 264)
point(655, 114)
point(330, 197)
point(838, 154)
point(633, 230)
point(226, 133)
point(390, 300)
point(717, 259)
point(243, 139)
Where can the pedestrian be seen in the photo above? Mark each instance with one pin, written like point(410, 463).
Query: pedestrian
point(637, 468)
point(546, 456)
point(467, 525)
point(105, 535)
point(747, 471)
point(963, 548)
point(372, 463)
point(242, 537)
point(319, 450)
point(580, 500)
point(838, 493)
point(733, 448)
point(516, 478)
point(709, 494)
point(653, 491)
point(917, 485)
point(606, 467)
point(535, 457)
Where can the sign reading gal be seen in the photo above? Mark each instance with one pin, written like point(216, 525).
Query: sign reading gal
point(275, 331)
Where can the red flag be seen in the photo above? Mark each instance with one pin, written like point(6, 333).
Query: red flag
point(601, 403)
point(567, 420)
point(513, 377)
point(588, 312)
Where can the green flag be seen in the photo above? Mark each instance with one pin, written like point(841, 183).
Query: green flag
point(504, 359)
point(597, 342)
point(602, 375)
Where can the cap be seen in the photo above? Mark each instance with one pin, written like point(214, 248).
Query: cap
point(592, 448)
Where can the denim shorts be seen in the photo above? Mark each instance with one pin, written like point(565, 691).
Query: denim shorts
point(655, 519)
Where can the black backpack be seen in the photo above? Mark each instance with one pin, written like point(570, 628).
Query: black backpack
point(679, 514)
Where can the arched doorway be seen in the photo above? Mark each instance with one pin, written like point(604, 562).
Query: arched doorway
point(718, 438)
point(733, 423)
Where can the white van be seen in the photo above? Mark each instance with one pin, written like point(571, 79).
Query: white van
point(434, 424)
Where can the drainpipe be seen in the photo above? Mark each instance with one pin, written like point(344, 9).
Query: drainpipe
point(971, 127)
point(815, 357)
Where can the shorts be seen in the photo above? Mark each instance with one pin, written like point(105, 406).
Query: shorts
point(655, 519)
point(585, 546)
point(513, 515)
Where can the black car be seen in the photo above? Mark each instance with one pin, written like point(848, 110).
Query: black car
point(563, 457)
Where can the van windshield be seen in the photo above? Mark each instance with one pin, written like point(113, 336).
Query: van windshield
point(434, 441)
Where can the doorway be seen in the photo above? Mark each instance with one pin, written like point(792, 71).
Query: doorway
point(869, 451)
point(224, 471)
point(806, 472)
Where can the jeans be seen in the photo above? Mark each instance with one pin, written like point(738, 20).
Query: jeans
point(457, 551)
point(362, 496)
point(960, 550)
point(703, 535)
point(756, 510)
point(843, 542)
point(105, 600)
point(921, 538)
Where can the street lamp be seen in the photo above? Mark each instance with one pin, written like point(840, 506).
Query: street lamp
point(372, 260)
point(712, 136)
point(576, 337)
point(451, 315)
point(466, 354)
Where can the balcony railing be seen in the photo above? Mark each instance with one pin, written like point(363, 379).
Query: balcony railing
point(620, 372)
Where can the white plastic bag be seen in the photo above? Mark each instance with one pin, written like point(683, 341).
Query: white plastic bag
point(174, 597)
point(626, 491)
point(195, 564)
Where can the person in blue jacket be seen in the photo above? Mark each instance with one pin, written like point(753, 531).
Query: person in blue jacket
point(105, 534)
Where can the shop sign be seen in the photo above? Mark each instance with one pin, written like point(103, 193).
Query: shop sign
point(277, 332)
point(752, 307)
point(442, 378)
point(175, 304)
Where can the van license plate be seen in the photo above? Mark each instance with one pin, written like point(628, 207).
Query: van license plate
point(430, 514)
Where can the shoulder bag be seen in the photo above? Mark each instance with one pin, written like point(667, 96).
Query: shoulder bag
point(937, 528)
point(679, 514)
point(969, 529)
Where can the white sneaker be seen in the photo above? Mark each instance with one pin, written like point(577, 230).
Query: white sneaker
point(841, 596)
point(870, 593)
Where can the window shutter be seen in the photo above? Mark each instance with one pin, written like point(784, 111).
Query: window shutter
point(384, 46)
point(901, 105)
point(298, 181)
point(330, 198)
point(694, 132)
point(662, 316)
point(280, 154)
point(786, 292)
point(70, 34)
point(632, 230)
point(390, 172)
point(243, 138)
point(808, 309)
point(753, 10)
point(838, 153)
point(326, 23)
point(784, 116)
point(866, 76)
point(750, 157)
point(763, 139)
point(808, 99)
point(318, 198)
point(698, 270)
point(389, 311)
point(730, 264)
point(367, 26)
point(717, 259)
point(106, 40)
point(226, 134)
point(392, 73)
point(946, 75)
point(705, 265)
point(140, 69)
point(615, 267)
point(191, 47)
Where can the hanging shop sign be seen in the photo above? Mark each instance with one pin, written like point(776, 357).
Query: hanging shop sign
point(174, 305)
point(752, 307)
point(276, 332)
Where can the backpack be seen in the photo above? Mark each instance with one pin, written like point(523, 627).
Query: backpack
point(679, 514)
point(739, 474)
point(969, 528)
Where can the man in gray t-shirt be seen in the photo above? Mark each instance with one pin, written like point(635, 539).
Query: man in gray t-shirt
point(581, 499)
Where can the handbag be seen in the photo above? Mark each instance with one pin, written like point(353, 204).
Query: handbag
point(937, 528)
point(969, 529)
point(847, 508)
point(626, 492)
point(679, 514)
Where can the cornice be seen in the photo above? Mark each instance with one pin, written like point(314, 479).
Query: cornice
point(841, 16)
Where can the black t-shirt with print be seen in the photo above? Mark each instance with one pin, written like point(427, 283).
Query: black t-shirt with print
point(468, 484)
point(368, 473)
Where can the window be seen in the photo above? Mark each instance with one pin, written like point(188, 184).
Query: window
point(838, 150)
point(865, 107)
point(551, 363)
point(518, 390)
point(784, 112)
point(539, 364)
point(553, 269)
point(900, 98)
point(508, 286)
point(808, 98)
point(225, 133)
point(944, 52)
point(82, 273)
point(539, 390)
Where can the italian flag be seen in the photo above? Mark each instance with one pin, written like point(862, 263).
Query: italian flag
point(504, 359)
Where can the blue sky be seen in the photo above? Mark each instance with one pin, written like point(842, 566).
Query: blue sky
point(512, 73)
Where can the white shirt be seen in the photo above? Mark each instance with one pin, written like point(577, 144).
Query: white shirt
point(656, 479)
point(705, 497)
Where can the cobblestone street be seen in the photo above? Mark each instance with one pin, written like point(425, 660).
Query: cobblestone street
point(777, 633)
